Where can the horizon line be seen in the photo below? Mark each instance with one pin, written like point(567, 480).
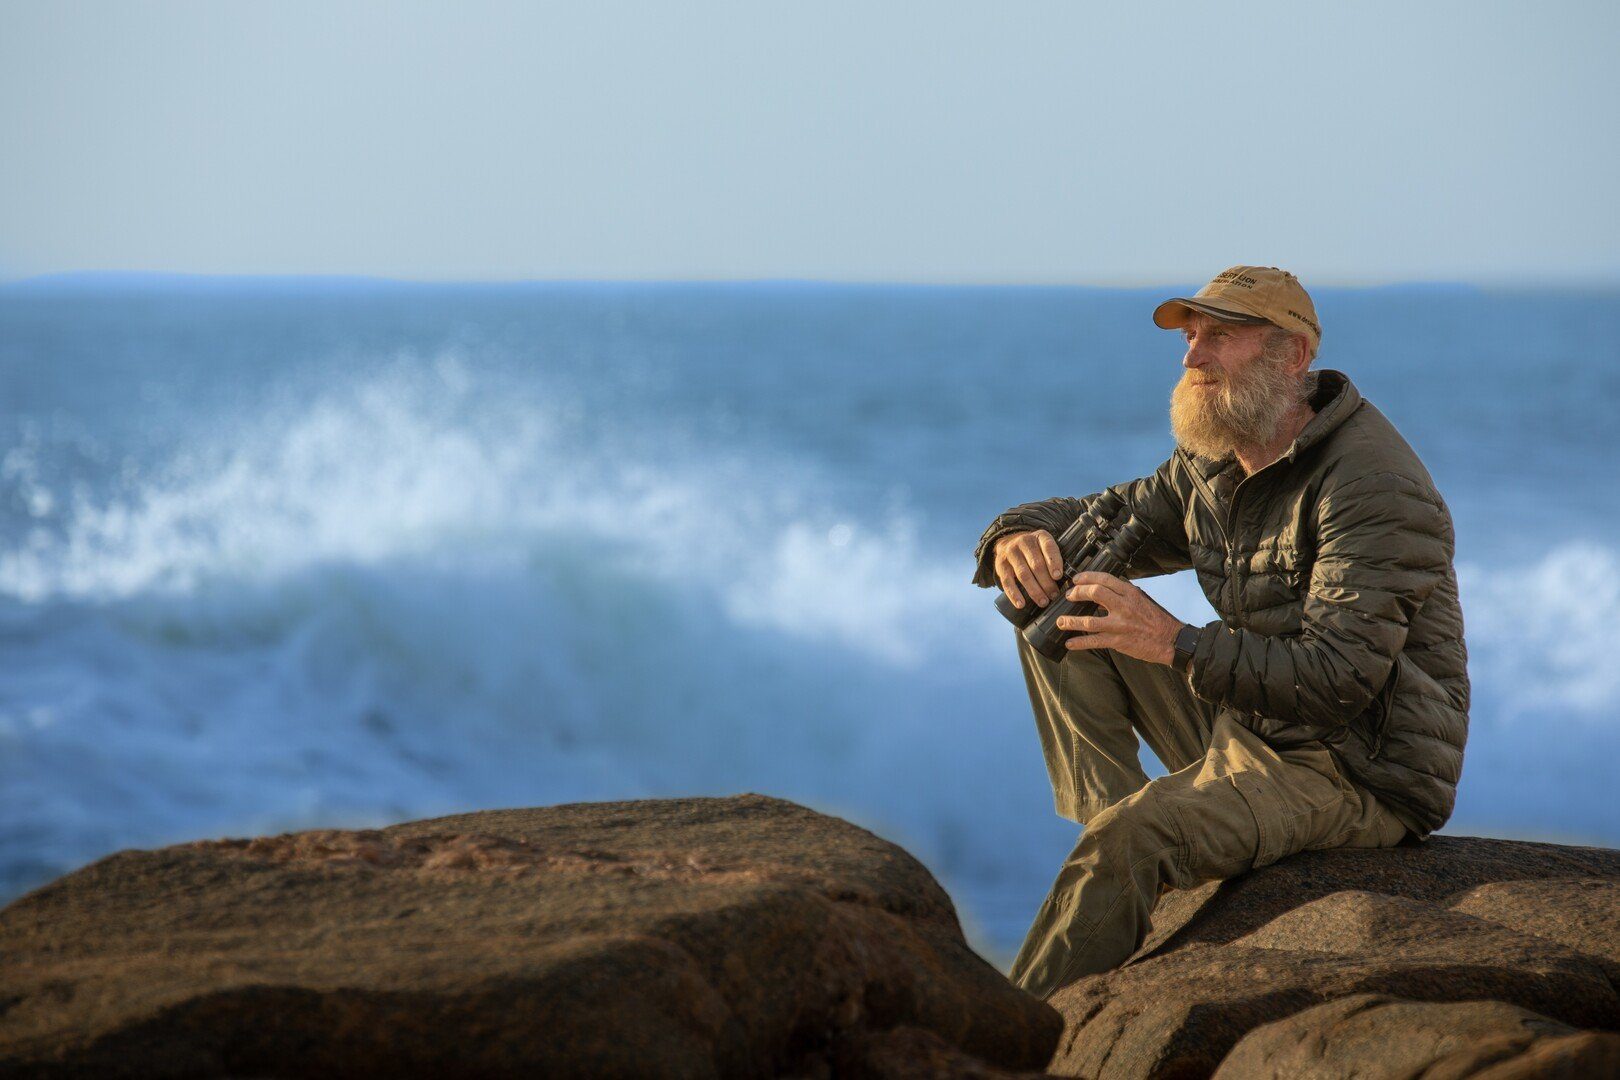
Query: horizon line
point(85, 278)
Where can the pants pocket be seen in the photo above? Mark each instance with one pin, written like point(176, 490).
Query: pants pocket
point(1216, 828)
point(1271, 819)
point(1300, 810)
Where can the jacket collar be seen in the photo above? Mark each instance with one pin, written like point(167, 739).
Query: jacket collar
point(1334, 397)
point(1331, 394)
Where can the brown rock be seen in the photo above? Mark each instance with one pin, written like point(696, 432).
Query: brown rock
point(692, 937)
point(1455, 919)
point(1583, 913)
point(1373, 1035)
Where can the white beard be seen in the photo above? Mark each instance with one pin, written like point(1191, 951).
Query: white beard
point(1240, 412)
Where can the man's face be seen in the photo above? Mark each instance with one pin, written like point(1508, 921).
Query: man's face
point(1217, 350)
point(1234, 391)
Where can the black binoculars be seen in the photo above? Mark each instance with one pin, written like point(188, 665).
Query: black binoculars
point(1094, 542)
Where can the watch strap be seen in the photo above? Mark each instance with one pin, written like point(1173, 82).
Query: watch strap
point(1186, 645)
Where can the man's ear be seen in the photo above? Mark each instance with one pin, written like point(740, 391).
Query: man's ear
point(1301, 356)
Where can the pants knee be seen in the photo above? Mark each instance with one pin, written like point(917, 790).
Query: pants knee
point(1132, 826)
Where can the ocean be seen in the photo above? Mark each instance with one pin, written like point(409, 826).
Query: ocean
point(281, 554)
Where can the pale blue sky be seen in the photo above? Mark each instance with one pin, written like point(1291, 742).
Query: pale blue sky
point(1005, 142)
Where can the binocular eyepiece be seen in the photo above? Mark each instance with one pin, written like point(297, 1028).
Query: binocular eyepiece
point(1094, 542)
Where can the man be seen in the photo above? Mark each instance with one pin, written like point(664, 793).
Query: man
point(1327, 707)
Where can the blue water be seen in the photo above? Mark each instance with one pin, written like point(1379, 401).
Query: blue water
point(282, 554)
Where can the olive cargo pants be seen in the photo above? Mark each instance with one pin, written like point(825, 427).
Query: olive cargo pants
point(1229, 803)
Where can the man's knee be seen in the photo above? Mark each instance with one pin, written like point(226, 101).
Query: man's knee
point(1073, 659)
point(1215, 826)
point(1134, 826)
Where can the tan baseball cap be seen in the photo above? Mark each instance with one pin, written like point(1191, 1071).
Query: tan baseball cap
point(1248, 294)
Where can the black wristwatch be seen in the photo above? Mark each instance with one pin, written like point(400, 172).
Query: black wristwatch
point(1186, 645)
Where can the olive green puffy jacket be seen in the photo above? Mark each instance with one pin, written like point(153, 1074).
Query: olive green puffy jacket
point(1332, 571)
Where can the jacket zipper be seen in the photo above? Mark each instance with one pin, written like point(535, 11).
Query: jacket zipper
point(1227, 526)
point(1213, 504)
point(1386, 702)
point(1386, 696)
point(1202, 486)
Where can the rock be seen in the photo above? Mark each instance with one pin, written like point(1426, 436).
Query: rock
point(1533, 927)
point(1375, 1035)
point(1587, 920)
point(744, 936)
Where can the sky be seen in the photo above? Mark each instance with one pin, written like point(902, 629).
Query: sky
point(923, 142)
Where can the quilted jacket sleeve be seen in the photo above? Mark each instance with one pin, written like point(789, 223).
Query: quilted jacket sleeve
point(1153, 498)
point(1384, 542)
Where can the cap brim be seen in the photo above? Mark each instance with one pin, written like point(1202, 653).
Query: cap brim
point(1173, 313)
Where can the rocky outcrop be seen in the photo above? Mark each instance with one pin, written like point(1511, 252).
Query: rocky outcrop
point(753, 937)
point(1457, 957)
point(1367, 1035)
point(693, 937)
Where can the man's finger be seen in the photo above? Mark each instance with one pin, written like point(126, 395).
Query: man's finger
point(1090, 641)
point(1009, 583)
point(1030, 579)
point(1054, 557)
point(1097, 577)
point(1097, 594)
point(1088, 623)
point(1013, 593)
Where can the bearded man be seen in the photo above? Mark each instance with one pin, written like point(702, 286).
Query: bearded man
point(1326, 707)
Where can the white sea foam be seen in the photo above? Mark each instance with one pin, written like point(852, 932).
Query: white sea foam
point(366, 609)
point(420, 592)
point(1543, 636)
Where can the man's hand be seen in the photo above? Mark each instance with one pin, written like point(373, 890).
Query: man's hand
point(1029, 563)
point(1132, 624)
